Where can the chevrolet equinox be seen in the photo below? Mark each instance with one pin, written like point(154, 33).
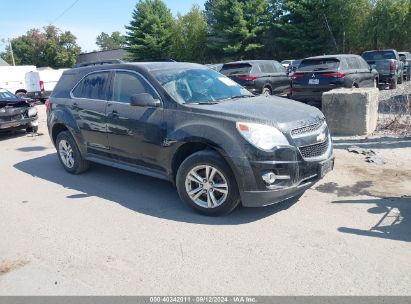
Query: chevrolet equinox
point(182, 122)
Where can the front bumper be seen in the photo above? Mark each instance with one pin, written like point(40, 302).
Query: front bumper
point(18, 124)
point(303, 175)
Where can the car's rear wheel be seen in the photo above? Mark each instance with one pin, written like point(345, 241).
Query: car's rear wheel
point(206, 183)
point(21, 94)
point(69, 154)
point(393, 84)
point(32, 129)
point(400, 79)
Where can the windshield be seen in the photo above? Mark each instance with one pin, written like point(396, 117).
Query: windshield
point(7, 95)
point(378, 55)
point(318, 64)
point(199, 85)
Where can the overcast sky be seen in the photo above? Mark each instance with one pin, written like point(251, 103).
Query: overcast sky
point(86, 19)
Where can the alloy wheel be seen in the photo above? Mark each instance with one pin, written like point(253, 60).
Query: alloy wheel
point(206, 186)
point(66, 154)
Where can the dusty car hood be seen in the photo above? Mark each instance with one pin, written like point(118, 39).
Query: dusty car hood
point(283, 113)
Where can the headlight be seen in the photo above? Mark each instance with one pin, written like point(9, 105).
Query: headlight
point(262, 136)
point(32, 112)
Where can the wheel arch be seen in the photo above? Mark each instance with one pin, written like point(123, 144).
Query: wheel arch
point(21, 91)
point(189, 148)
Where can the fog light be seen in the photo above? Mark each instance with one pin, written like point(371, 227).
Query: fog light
point(269, 178)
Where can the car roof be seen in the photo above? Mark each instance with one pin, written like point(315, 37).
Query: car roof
point(148, 66)
point(337, 56)
point(384, 50)
point(250, 61)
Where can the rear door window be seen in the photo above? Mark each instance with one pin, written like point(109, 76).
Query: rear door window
point(128, 84)
point(236, 69)
point(93, 86)
point(319, 64)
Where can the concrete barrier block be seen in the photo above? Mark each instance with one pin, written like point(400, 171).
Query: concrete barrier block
point(351, 111)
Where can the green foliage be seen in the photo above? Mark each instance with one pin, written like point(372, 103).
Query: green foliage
point(49, 47)
point(149, 35)
point(236, 27)
point(108, 42)
point(190, 37)
point(389, 24)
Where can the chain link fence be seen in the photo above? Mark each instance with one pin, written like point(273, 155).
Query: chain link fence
point(395, 115)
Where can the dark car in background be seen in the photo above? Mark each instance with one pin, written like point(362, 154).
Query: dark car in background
point(267, 77)
point(388, 64)
point(294, 66)
point(16, 113)
point(406, 59)
point(316, 75)
point(218, 143)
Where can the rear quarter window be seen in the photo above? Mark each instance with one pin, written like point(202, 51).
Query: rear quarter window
point(65, 84)
point(267, 67)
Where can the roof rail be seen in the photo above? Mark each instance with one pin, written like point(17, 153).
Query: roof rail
point(101, 62)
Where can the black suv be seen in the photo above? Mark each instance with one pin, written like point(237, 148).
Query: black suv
point(192, 126)
point(316, 75)
point(266, 77)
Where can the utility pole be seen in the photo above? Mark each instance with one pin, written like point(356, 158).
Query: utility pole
point(12, 54)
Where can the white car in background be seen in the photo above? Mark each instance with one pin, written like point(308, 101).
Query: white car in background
point(42, 82)
point(13, 78)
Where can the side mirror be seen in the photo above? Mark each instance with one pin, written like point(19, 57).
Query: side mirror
point(144, 100)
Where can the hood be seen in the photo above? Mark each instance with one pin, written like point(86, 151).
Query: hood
point(282, 113)
point(12, 102)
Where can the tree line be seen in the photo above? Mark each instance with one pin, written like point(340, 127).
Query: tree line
point(235, 29)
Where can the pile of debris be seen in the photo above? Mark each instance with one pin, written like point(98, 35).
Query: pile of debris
point(370, 155)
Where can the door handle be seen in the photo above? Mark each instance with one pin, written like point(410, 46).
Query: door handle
point(114, 114)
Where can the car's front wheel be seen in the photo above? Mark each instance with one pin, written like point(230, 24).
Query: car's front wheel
point(206, 183)
point(69, 154)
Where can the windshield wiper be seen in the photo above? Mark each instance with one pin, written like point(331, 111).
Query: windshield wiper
point(320, 69)
point(237, 97)
point(202, 103)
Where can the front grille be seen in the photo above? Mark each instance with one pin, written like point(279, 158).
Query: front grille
point(307, 129)
point(11, 118)
point(316, 150)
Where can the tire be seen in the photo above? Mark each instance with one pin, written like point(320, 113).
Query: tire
point(208, 200)
point(400, 79)
point(393, 84)
point(74, 163)
point(376, 83)
point(21, 94)
point(34, 129)
point(266, 91)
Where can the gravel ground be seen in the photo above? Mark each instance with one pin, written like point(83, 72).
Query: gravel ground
point(395, 110)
